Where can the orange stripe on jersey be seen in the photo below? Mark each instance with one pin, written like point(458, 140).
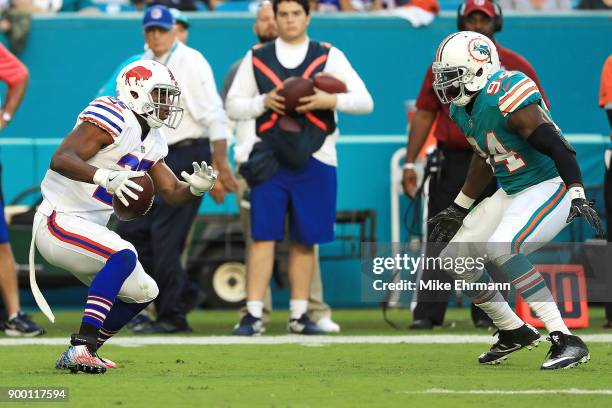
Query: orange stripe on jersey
point(520, 98)
point(110, 105)
point(96, 122)
point(513, 90)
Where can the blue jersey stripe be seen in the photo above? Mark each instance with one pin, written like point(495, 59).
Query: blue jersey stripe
point(112, 111)
point(107, 120)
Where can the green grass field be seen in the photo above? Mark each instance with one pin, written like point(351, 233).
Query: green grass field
point(317, 375)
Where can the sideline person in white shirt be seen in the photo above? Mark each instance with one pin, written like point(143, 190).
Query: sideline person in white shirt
point(244, 101)
point(244, 131)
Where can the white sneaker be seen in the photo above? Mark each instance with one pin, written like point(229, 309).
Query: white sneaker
point(327, 325)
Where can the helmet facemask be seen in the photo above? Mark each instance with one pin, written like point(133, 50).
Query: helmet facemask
point(450, 83)
point(163, 107)
point(465, 61)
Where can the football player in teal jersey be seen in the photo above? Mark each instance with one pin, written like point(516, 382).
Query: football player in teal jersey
point(513, 136)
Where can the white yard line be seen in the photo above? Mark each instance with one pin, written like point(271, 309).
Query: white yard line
point(287, 339)
point(574, 391)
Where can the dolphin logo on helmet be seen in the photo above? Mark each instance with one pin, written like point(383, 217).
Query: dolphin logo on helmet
point(465, 61)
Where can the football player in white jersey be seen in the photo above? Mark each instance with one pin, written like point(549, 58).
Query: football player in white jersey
point(114, 140)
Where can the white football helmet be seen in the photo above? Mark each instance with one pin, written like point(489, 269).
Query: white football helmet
point(150, 90)
point(465, 61)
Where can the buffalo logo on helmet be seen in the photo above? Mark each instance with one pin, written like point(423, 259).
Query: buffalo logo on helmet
point(479, 50)
point(138, 73)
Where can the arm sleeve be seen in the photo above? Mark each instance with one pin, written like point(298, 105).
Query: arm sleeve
point(243, 99)
point(12, 71)
point(204, 102)
point(427, 99)
point(547, 140)
point(357, 100)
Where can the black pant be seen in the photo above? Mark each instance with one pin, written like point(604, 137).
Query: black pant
point(159, 236)
point(443, 189)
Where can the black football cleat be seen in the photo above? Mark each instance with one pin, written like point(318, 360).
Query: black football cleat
point(509, 341)
point(421, 324)
point(566, 351)
point(22, 326)
point(249, 326)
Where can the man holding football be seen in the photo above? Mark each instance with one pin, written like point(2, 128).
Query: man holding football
point(114, 140)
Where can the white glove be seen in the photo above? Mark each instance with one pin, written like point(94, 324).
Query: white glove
point(202, 180)
point(118, 183)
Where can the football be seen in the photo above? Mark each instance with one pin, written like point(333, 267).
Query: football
point(329, 83)
point(138, 207)
point(295, 88)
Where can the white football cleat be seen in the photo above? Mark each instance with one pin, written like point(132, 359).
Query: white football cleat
point(80, 358)
point(108, 363)
point(327, 325)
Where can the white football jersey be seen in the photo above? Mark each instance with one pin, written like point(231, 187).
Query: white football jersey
point(131, 150)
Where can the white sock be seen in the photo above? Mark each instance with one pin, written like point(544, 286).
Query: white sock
point(297, 308)
point(14, 315)
point(255, 308)
point(500, 312)
point(549, 314)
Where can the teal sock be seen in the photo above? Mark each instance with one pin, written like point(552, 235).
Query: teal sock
point(530, 284)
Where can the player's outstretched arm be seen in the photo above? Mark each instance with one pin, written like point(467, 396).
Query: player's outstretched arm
point(80, 145)
point(445, 224)
point(534, 125)
point(176, 192)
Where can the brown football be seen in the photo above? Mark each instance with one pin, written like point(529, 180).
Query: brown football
point(295, 88)
point(138, 207)
point(329, 83)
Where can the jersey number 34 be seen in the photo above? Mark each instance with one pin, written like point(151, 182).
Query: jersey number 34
point(500, 154)
point(512, 160)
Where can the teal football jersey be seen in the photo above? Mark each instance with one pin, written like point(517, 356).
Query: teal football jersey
point(517, 165)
